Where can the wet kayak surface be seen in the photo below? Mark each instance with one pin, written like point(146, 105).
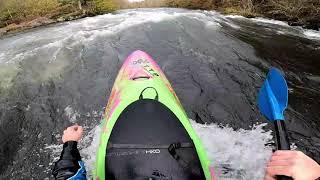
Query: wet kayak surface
point(61, 74)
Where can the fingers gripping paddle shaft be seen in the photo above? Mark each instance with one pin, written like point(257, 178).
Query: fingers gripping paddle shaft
point(272, 101)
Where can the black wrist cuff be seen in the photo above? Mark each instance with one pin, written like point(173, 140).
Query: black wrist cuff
point(70, 144)
point(70, 151)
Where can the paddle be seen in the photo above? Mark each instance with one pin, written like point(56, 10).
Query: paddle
point(272, 101)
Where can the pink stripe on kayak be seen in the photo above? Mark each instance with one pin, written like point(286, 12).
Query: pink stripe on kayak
point(212, 173)
point(138, 54)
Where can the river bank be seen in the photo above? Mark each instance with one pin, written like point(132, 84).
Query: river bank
point(44, 21)
point(305, 13)
point(18, 15)
point(38, 22)
point(296, 13)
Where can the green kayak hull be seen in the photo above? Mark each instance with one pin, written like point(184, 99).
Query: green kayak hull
point(141, 78)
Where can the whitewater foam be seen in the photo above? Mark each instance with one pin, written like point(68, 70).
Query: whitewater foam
point(269, 21)
point(312, 34)
point(71, 114)
point(286, 28)
point(235, 16)
point(236, 154)
point(2, 57)
point(90, 144)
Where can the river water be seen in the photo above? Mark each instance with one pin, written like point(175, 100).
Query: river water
point(62, 74)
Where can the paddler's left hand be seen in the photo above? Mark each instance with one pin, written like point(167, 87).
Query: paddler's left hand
point(72, 133)
point(294, 164)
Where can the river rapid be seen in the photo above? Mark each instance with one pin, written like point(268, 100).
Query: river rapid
point(62, 74)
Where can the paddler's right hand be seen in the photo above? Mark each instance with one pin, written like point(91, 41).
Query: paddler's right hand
point(72, 133)
point(294, 164)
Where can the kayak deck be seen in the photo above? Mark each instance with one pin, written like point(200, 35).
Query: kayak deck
point(145, 130)
point(138, 146)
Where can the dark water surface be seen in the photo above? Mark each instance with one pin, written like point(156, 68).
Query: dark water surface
point(54, 76)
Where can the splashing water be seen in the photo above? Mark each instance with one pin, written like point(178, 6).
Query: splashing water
point(71, 114)
point(90, 144)
point(235, 154)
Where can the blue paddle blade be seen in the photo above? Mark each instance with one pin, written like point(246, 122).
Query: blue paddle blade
point(273, 96)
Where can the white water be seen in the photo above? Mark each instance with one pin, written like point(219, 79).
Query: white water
point(88, 29)
point(312, 34)
point(235, 154)
point(71, 114)
point(53, 42)
point(286, 29)
point(269, 21)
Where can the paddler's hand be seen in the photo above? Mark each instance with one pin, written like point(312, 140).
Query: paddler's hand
point(294, 164)
point(72, 133)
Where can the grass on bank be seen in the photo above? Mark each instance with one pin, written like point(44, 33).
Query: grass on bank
point(296, 12)
point(17, 11)
point(295, 9)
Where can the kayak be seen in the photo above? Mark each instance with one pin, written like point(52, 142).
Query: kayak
point(146, 133)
